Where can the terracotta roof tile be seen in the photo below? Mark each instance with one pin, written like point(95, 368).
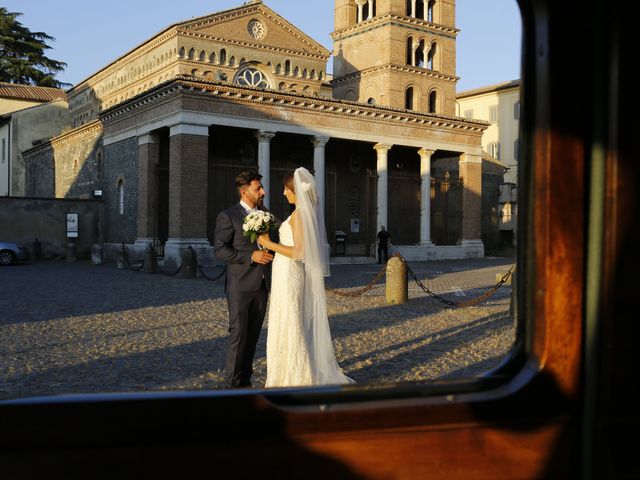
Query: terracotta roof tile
point(30, 92)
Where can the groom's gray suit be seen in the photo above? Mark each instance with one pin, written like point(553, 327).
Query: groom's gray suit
point(246, 286)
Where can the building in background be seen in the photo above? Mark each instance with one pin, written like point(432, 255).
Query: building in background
point(163, 130)
point(28, 116)
point(500, 106)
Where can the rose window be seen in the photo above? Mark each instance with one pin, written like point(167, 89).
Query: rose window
point(256, 29)
point(251, 77)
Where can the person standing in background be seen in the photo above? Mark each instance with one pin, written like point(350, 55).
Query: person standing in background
point(383, 244)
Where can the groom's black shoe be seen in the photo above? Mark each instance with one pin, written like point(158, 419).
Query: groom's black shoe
point(240, 384)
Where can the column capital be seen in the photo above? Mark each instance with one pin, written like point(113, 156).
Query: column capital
point(189, 129)
point(382, 147)
point(361, 2)
point(319, 141)
point(425, 153)
point(263, 136)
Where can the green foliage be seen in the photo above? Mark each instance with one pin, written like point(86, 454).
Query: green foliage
point(22, 58)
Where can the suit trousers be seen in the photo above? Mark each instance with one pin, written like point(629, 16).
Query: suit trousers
point(246, 316)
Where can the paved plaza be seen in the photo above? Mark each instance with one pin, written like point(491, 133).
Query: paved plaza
point(80, 328)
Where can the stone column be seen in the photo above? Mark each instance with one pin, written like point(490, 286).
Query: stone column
point(264, 161)
point(188, 182)
point(425, 196)
point(148, 160)
point(383, 183)
point(425, 9)
point(370, 13)
point(413, 8)
point(360, 4)
point(471, 175)
point(414, 47)
point(319, 144)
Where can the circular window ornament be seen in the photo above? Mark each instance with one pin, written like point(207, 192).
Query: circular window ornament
point(252, 77)
point(256, 29)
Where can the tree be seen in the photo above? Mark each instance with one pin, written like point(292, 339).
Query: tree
point(22, 58)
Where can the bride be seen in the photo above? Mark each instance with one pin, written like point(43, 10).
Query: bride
point(299, 348)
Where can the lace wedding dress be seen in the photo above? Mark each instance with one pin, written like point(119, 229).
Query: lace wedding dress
point(299, 348)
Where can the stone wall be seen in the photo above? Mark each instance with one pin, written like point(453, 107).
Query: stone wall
point(23, 219)
point(30, 127)
point(69, 166)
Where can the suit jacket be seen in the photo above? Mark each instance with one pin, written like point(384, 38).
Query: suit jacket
point(233, 248)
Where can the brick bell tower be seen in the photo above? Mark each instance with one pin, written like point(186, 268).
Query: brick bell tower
point(396, 53)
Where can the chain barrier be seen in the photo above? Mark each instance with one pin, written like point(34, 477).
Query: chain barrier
point(169, 274)
point(127, 263)
point(361, 291)
point(335, 291)
point(201, 270)
point(435, 296)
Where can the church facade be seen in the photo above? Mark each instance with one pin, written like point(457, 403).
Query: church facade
point(162, 131)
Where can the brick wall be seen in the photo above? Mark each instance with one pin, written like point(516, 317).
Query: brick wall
point(121, 165)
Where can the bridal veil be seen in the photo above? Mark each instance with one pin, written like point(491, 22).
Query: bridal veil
point(311, 247)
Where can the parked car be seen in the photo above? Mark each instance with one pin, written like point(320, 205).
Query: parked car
point(13, 252)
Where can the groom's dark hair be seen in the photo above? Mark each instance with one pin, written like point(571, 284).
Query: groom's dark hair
point(244, 179)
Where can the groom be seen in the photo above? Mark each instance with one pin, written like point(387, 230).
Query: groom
point(248, 275)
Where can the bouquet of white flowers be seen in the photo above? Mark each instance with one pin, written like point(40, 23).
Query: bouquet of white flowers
point(257, 223)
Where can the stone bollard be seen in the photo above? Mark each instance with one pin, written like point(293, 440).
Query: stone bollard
point(96, 254)
point(396, 283)
point(120, 263)
point(188, 264)
point(150, 260)
point(71, 252)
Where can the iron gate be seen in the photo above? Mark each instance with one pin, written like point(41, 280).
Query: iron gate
point(446, 210)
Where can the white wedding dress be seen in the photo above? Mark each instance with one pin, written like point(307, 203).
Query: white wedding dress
point(299, 348)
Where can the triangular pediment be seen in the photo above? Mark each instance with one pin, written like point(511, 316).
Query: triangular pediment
point(254, 24)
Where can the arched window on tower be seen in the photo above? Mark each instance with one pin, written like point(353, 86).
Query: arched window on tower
point(203, 56)
point(121, 197)
point(433, 97)
point(431, 58)
point(212, 57)
point(410, 51)
point(430, 9)
point(223, 57)
point(408, 99)
point(192, 54)
point(420, 9)
point(287, 67)
point(182, 53)
point(420, 55)
point(366, 9)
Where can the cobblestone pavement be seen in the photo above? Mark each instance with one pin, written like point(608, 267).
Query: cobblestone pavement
point(79, 328)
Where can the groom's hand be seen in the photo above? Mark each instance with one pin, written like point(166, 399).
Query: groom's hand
point(263, 257)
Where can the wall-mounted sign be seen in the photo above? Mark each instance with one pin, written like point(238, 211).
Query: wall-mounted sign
point(72, 225)
point(355, 225)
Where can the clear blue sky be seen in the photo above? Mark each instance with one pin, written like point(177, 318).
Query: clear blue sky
point(91, 34)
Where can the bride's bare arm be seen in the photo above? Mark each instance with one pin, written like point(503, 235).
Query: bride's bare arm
point(267, 243)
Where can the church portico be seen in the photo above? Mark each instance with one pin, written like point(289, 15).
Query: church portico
point(208, 147)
